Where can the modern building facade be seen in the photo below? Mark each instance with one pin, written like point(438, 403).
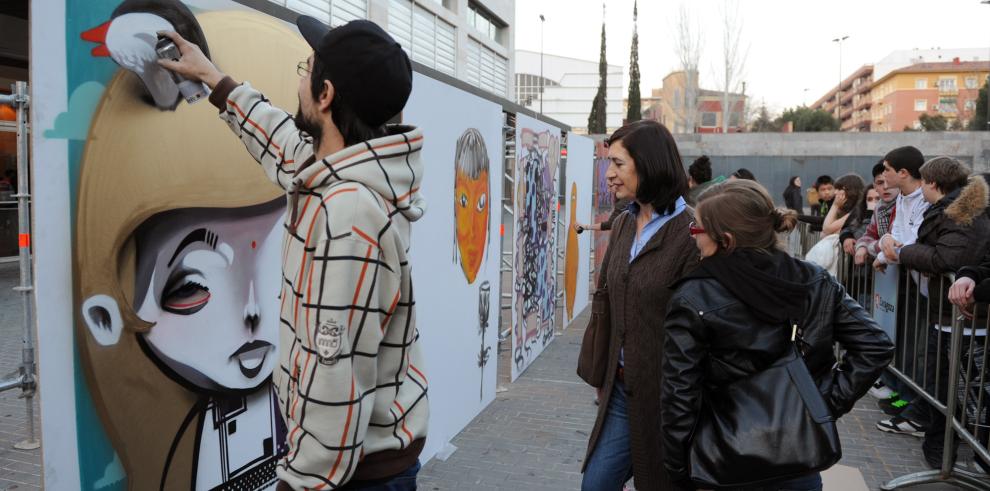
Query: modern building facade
point(471, 40)
point(893, 93)
point(947, 89)
point(568, 86)
point(707, 114)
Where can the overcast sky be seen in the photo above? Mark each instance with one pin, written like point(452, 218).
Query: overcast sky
point(790, 42)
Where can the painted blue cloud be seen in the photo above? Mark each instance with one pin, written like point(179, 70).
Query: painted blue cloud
point(74, 123)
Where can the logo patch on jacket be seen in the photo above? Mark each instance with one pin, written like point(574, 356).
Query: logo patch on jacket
point(329, 341)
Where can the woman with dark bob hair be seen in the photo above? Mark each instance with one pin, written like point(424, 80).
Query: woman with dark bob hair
point(648, 250)
point(737, 314)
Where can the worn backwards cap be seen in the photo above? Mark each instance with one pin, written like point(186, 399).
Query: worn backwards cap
point(366, 66)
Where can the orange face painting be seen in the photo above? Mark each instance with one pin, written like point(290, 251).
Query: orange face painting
point(471, 213)
point(471, 203)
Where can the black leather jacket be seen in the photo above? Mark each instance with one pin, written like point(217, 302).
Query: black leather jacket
point(713, 338)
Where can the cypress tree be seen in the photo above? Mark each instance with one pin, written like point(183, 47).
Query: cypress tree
point(635, 110)
point(596, 120)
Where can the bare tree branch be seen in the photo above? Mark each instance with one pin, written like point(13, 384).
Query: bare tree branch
point(687, 47)
point(734, 56)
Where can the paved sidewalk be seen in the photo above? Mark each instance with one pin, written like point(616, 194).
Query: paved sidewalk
point(534, 435)
point(19, 469)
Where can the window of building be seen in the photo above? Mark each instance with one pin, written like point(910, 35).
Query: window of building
point(921, 104)
point(335, 12)
point(528, 88)
point(485, 68)
point(972, 83)
point(734, 119)
point(947, 105)
point(709, 119)
point(921, 83)
point(485, 23)
point(677, 98)
point(427, 38)
point(947, 84)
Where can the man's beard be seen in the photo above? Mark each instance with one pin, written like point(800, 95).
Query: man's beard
point(308, 126)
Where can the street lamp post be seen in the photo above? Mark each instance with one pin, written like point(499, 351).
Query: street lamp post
point(542, 82)
point(838, 88)
point(987, 2)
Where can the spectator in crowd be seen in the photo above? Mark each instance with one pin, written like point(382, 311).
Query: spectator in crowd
point(856, 228)
point(813, 199)
point(955, 233)
point(726, 321)
point(847, 206)
point(648, 251)
point(618, 207)
point(825, 188)
point(700, 178)
point(792, 195)
point(867, 245)
point(902, 169)
point(742, 173)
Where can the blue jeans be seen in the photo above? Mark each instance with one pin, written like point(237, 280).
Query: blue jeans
point(404, 481)
point(610, 465)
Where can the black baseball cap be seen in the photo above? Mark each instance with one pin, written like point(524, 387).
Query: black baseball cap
point(366, 66)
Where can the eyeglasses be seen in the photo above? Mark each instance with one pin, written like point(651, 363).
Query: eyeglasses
point(693, 229)
point(303, 68)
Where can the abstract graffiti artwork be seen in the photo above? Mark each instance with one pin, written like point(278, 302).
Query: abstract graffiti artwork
point(571, 257)
point(534, 287)
point(471, 202)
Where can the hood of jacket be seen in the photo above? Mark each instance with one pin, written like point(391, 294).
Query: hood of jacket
point(970, 203)
point(390, 166)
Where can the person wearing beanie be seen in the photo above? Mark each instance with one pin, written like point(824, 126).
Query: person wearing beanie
point(350, 384)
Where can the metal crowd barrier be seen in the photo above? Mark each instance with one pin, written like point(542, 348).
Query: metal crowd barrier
point(940, 353)
point(802, 239)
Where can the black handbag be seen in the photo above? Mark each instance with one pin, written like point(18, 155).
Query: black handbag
point(768, 427)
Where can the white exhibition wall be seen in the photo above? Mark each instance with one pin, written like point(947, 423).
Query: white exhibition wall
point(580, 177)
point(457, 241)
point(534, 259)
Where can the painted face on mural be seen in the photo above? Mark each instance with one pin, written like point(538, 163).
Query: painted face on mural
point(212, 293)
point(621, 174)
point(471, 213)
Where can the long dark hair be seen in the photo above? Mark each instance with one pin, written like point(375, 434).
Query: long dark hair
point(791, 183)
point(855, 190)
point(658, 163)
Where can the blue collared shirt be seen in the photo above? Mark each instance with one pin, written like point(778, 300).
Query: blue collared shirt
point(657, 221)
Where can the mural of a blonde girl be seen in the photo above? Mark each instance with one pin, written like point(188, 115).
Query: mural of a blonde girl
point(471, 202)
point(177, 274)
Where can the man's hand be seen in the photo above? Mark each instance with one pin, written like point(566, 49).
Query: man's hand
point(849, 245)
point(889, 245)
point(961, 292)
point(879, 266)
point(860, 258)
point(577, 227)
point(193, 64)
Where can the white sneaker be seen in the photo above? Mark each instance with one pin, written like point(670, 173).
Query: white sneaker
point(880, 391)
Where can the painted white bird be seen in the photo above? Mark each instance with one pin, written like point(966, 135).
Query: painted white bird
point(130, 36)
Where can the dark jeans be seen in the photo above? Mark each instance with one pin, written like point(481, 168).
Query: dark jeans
point(403, 481)
point(938, 358)
point(610, 465)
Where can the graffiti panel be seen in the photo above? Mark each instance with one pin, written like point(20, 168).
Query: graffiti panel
point(534, 289)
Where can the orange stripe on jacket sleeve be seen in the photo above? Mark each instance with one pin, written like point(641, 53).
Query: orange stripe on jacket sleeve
point(245, 118)
point(357, 290)
point(365, 236)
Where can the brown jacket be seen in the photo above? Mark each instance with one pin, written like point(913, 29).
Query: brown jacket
point(638, 297)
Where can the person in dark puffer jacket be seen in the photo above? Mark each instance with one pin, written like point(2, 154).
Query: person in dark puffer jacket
point(954, 234)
